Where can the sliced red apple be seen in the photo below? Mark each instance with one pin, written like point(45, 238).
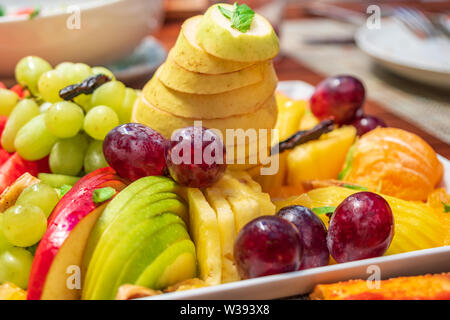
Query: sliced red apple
point(66, 237)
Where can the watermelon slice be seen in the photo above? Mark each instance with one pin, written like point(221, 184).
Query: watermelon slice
point(13, 168)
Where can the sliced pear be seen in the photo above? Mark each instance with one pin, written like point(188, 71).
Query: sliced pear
point(177, 78)
point(227, 230)
point(113, 265)
point(204, 229)
point(216, 36)
point(166, 123)
point(211, 106)
point(189, 55)
point(176, 264)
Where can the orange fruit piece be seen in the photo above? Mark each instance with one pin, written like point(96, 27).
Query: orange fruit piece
point(437, 198)
point(395, 162)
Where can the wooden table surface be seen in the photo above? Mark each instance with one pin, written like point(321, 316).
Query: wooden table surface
point(290, 69)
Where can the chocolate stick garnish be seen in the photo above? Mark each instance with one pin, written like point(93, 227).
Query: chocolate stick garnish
point(301, 137)
point(86, 87)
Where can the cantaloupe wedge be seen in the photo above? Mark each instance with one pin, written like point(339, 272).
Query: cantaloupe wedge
point(211, 106)
point(177, 78)
point(166, 123)
point(216, 36)
point(189, 55)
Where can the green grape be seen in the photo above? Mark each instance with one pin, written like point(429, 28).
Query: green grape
point(127, 105)
point(43, 108)
point(94, 159)
point(73, 73)
point(29, 70)
point(57, 180)
point(50, 83)
point(67, 155)
point(25, 110)
point(16, 266)
point(4, 243)
point(24, 225)
point(110, 94)
point(99, 121)
point(34, 141)
point(8, 100)
point(103, 70)
point(64, 119)
point(40, 195)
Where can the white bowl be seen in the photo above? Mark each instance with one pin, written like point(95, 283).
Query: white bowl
point(109, 30)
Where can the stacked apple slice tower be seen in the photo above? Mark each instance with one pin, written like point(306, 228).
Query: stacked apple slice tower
point(221, 76)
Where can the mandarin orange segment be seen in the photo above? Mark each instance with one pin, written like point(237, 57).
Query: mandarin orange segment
point(395, 162)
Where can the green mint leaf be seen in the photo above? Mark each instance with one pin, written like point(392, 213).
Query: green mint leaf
point(354, 187)
point(226, 13)
point(35, 13)
point(348, 162)
point(446, 207)
point(242, 18)
point(2, 11)
point(103, 194)
point(323, 210)
point(64, 189)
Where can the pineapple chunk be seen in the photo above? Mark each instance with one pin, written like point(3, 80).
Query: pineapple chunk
point(9, 291)
point(308, 121)
point(225, 219)
point(417, 226)
point(320, 159)
point(204, 230)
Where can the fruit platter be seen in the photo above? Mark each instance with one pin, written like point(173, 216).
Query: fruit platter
point(213, 181)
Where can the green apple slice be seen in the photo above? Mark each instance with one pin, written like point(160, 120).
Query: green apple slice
point(176, 264)
point(216, 36)
point(244, 100)
point(112, 266)
point(134, 214)
point(188, 54)
point(225, 220)
point(177, 78)
point(113, 208)
point(148, 252)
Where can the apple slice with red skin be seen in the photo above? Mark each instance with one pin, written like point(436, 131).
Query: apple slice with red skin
point(68, 231)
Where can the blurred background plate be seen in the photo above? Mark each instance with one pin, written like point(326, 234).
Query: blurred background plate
point(397, 49)
point(109, 30)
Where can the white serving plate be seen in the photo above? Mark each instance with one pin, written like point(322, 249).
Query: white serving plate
point(396, 48)
point(433, 260)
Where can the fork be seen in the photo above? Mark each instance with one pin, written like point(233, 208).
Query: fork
point(416, 22)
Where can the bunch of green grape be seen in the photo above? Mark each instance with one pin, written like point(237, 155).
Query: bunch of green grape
point(21, 227)
point(69, 132)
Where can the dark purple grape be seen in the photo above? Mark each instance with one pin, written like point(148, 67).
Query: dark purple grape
point(313, 235)
point(267, 245)
point(339, 98)
point(135, 151)
point(195, 157)
point(366, 123)
point(361, 227)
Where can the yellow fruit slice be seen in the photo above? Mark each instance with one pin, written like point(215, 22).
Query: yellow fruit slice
point(320, 159)
point(417, 226)
point(166, 123)
point(216, 36)
point(308, 121)
point(204, 230)
point(177, 78)
point(225, 219)
point(189, 55)
point(211, 106)
point(9, 291)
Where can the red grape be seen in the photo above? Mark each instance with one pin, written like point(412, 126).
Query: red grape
point(135, 151)
point(339, 98)
point(267, 245)
point(361, 227)
point(195, 157)
point(313, 235)
point(366, 123)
